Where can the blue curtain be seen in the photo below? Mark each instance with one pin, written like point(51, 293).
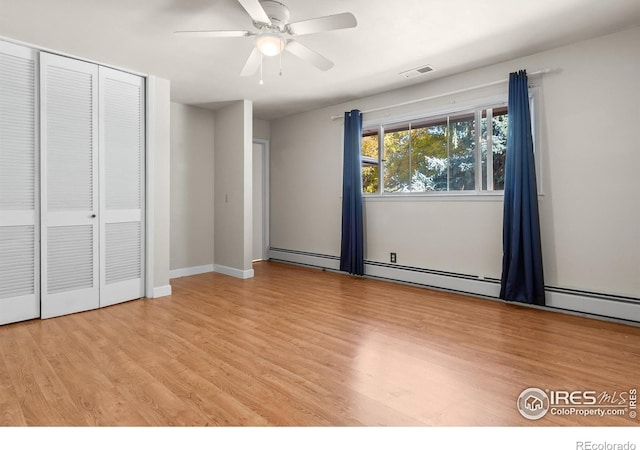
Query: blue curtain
point(522, 275)
point(351, 252)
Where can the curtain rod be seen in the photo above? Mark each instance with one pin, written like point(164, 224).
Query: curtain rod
point(432, 97)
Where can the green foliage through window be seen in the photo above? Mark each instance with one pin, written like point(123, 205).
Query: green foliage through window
point(437, 154)
point(370, 167)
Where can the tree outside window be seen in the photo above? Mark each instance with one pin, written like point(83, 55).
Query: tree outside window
point(437, 154)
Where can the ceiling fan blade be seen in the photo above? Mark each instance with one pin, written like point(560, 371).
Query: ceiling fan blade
point(255, 10)
point(327, 23)
point(308, 55)
point(252, 64)
point(212, 33)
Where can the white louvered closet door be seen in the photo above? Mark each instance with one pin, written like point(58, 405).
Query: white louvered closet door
point(122, 144)
point(69, 180)
point(19, 250)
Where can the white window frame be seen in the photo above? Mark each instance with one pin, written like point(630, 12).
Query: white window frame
point(477, 106)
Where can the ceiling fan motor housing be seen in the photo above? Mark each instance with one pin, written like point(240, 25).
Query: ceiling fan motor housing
point(278, 14)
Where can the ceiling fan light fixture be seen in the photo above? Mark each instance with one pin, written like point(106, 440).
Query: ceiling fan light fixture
point(270, 44)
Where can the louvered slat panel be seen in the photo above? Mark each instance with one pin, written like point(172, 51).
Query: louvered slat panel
point(124, 134)
point(70, 258)
point(17, 134)
point(69, 140)
point(123, 252)
point(17, 250)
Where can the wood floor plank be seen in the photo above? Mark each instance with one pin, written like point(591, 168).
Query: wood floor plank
point(32, 382)
point(297, 346)
point(10, 410)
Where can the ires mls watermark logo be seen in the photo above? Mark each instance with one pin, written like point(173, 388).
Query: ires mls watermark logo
point(534, 403)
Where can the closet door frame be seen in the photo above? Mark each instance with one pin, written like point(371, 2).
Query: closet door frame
point(150, 214)
point(149, 108)
point(25, 307)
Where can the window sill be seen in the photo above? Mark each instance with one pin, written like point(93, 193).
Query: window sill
point(435, 196)
point(473, 196)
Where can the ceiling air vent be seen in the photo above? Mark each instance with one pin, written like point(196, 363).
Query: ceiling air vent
point(417, 71)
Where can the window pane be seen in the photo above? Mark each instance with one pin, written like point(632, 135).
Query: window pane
point(483, 147)
point(370, 169)
point(429, 156)
point(397, 166)
point(499, 146)
point(370, 144)
point(462, 144)
point(370, 179)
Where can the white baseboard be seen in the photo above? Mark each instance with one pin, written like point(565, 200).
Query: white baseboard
point(583, 303)
point(233, 272)
point(624, 310)
point(188, 271)
point(225, 270)
point(161, 291)
point(307, 259)
point(450, 282)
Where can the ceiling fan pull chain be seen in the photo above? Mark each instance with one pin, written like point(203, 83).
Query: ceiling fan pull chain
point(281, 63)
point(261, 81)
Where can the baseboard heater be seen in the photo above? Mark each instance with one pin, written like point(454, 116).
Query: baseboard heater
point(605, 306)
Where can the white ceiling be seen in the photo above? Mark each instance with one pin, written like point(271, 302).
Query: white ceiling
point(391, 36)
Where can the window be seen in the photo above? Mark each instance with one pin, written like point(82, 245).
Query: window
point(494, 137)
point(459, 152)
point(370, 158)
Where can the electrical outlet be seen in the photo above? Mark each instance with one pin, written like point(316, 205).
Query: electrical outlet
point(393, 257)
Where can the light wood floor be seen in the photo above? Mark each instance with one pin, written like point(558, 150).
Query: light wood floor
point(297, 346)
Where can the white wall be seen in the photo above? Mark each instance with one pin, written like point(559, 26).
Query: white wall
point(159, 91)
point(233, 189)
point(192, 156)
point(261, 129)
point(211, 153)
point(247, 188)
point(590, 219)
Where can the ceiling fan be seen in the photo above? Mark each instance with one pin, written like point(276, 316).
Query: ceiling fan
point(273, 33)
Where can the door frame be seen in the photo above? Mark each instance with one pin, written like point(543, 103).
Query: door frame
point(265, 196)
point(150, 129)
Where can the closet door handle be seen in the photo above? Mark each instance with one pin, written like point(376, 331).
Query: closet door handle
point(93, 216)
